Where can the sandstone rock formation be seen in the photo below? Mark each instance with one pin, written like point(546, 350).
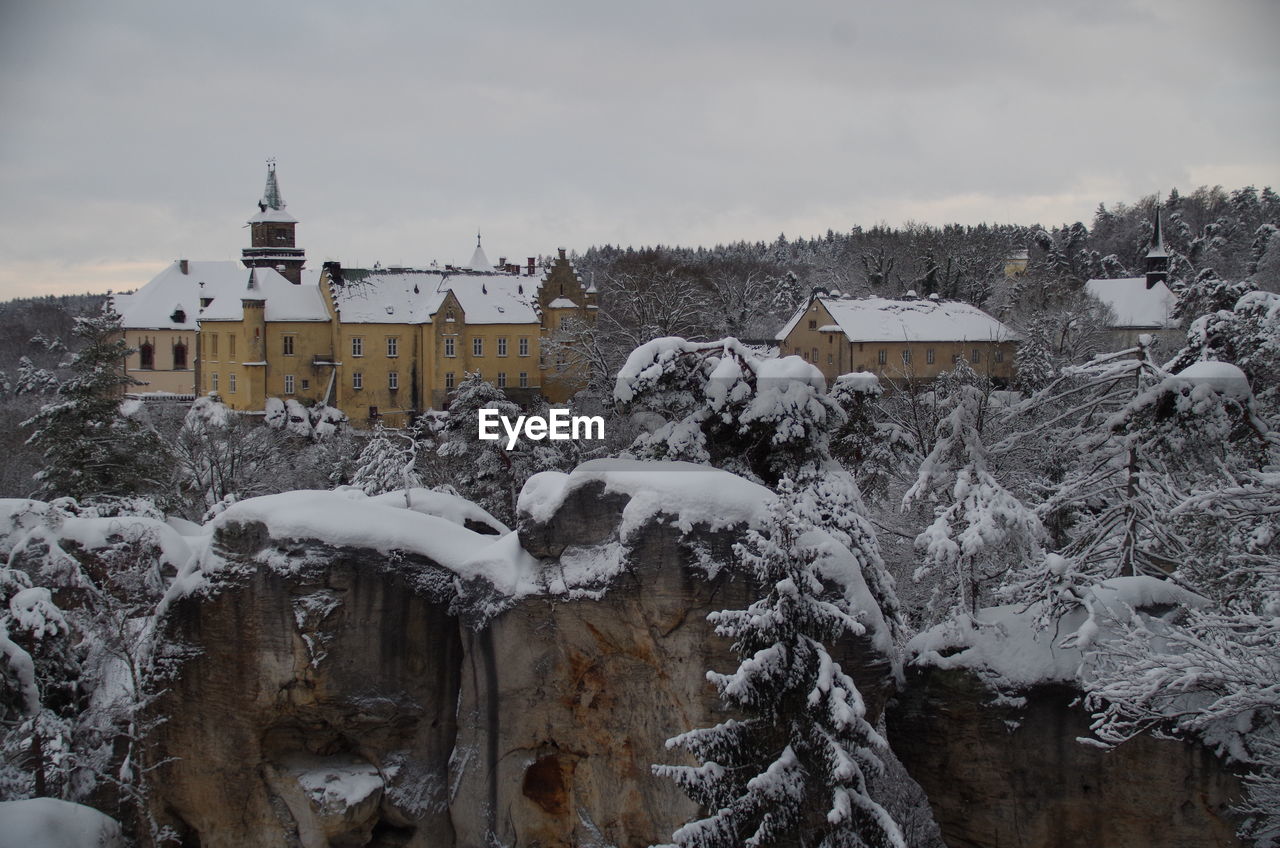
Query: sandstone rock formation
point(345, 697)
point(1002, 775)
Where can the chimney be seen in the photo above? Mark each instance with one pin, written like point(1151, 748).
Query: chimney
point(562, 256)
point(531, 265)
point(184, 266)
point(334, 269)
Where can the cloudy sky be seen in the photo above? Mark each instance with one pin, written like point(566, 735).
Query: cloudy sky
point(136, 133)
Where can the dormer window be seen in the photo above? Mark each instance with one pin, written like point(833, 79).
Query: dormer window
point(179, 316)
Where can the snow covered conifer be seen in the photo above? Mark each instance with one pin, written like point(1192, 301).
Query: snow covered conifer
point(482, 469)
point(980, 529)
point(387, 462)
point(90, 448)
point(793, 770)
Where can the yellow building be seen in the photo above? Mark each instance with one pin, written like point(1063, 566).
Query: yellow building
point(386, 344)
point(904, 340)
point(379, 344)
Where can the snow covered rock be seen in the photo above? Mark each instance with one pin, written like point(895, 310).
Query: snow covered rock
point(50, 823)
point(989, 724)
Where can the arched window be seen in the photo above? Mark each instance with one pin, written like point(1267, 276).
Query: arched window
point(180, 356)
point(147, 356)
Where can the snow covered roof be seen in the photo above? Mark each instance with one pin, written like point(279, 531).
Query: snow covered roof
point(562, 303)
point(277, 216)
point(1134, 304)
point(171, 293)
point(413, 297)
point(879, 319)
point(284, 300)
point(480, 262)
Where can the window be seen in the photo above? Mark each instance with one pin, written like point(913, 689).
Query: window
point(286, 344)
point(999, 355)
point(502, 379)
point(231, 383)
point(306, 384)
point(815, 356)
point(477, 347)
point(231, 346)
point(524, 347)
point(449, 347)
point(357, 346)
point(373, 412)
point(805, 355)
point(831, 360)
point(524, 379)
point(288, 384)
point(502, 346)
point(977, 356)
point(928, 356)
point(813, 325)
point(448, 380)
point(180, 356)
point(357, 380)
point(906, 356)
point(213, 345)
point(393, 380)
point(882, 357)
point(213, 382)
point(448, 315)
point(147, 356)
point(393, 346)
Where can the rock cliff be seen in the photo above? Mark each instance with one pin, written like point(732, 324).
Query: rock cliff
point(465, 691)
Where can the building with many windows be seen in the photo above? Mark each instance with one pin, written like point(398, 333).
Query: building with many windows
point(379, 344)
point(909, 339)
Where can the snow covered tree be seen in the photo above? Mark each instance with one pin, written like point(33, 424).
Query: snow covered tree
point(91, 447)
point(793, 770)
point(875, 449)
point(220, 456)
point(1207, 294)
point(483, 470)
point(980, 529)
point(387, 463)
point(762, 418)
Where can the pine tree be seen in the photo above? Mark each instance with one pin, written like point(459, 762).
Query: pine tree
point(387, 462)
point(483, 469)
point(980, 529)
point(794, 769)
point(90, 448)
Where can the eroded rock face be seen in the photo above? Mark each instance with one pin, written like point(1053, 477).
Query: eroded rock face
point(1003, 776)
point(344, 698)
point(320, 709)
point(566, 703)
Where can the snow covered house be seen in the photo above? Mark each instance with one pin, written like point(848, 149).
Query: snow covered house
point(377, 343)
point(1141, 304)
point(907, 339)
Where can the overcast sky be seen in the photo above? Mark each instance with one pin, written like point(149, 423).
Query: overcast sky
point(136, 133)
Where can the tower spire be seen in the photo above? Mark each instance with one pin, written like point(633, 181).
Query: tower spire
point(271, 198)
point(1157, 260)
point(479, 262)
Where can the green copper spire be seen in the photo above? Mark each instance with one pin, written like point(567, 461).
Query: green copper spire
point(271, 198)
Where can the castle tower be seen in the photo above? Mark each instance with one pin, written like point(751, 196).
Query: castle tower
point(1157, 261)
point(479, 262)
point(271, 236)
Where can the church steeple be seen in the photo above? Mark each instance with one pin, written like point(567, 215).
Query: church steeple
point(272, 235)
point(1157, 259)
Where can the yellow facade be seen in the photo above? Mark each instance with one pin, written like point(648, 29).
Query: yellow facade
point(383, 371)
point(835, 354)
point(162, 360)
